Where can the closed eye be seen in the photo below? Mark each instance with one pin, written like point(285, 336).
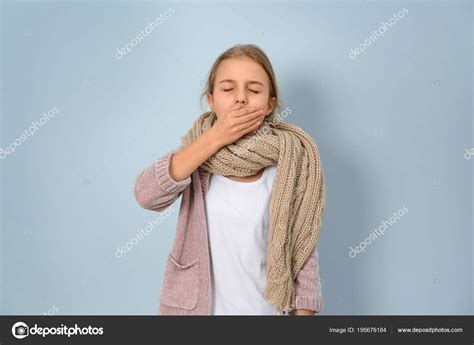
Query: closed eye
point(249, 90)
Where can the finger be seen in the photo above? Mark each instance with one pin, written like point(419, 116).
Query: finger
point(255, 128)
point(245, 111)
point(248, 127)
point(249, 117)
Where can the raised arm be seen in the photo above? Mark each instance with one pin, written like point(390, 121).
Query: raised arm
point(155, 189)
point(159, 185)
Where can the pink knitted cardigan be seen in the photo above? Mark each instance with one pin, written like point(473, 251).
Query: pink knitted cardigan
point(186, 288)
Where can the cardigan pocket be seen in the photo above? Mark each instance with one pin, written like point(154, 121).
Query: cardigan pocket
point(180, 287)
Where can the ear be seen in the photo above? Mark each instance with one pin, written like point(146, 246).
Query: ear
point(210, 101)
point(271, 105)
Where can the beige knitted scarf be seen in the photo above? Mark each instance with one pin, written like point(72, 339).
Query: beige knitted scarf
point(298, 196)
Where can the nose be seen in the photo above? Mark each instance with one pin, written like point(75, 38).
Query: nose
point(240, 98)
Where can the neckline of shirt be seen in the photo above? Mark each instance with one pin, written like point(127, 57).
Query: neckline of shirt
point(243, 184)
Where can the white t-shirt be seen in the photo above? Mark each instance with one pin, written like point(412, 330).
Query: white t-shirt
point(238, 219)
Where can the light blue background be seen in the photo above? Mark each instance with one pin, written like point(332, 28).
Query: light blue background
point(391, 125)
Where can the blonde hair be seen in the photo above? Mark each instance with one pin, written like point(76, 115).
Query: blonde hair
point(255, 53)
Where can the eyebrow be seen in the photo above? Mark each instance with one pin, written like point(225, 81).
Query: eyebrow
point(248, 82)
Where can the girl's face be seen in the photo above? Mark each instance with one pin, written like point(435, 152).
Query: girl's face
point(240, 80)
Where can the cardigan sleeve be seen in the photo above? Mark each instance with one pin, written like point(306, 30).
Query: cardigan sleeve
point(155, 189)
point(308, 285)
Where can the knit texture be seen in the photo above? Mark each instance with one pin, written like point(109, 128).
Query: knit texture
point(298, 197)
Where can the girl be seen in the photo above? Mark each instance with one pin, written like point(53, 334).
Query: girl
point(253, 197)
